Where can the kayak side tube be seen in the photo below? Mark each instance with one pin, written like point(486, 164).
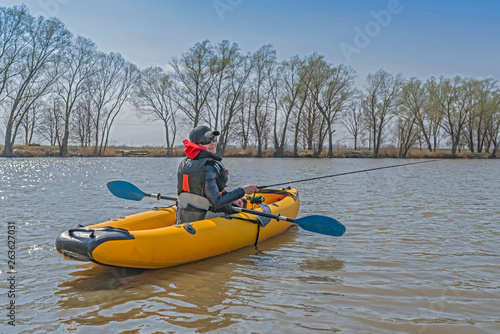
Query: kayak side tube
point(79, 243)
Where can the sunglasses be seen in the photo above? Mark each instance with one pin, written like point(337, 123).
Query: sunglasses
point(206, 141)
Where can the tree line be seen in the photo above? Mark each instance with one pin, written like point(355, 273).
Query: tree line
point(58, 86)
point(61, 88)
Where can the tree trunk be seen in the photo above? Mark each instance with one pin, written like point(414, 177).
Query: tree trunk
point(454, 146)
point(63, 149)
point(279, 152)
point(494, 152)
point(7, 149)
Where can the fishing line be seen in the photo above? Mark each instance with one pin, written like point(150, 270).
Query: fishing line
point(346, 173)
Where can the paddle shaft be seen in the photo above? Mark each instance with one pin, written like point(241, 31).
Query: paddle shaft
point(278, 217)
point(235, 208)
point(132, 192)
point(346, 173)
point(160, 196)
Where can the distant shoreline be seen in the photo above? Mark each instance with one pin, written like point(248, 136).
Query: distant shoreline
point(38, 151)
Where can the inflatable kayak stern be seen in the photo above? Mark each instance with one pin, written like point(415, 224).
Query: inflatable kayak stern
point(79, 243)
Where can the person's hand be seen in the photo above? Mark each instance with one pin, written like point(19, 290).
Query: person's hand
point(250, 189)
point(239, 203)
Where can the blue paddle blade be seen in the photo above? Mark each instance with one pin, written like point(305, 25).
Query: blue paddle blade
point(125, 190)
point(321, 224)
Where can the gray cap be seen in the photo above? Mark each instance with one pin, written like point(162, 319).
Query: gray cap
point(201, 134)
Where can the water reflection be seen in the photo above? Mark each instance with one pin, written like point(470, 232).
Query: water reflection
point(93, 277)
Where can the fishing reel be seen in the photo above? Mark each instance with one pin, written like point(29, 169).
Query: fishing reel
point(254, 199)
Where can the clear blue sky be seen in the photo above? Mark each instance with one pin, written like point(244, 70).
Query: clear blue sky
point(420, 38)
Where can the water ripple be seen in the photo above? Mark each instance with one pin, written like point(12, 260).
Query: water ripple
point(420, 254)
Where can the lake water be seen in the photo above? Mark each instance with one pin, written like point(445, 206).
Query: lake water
point(421, 253)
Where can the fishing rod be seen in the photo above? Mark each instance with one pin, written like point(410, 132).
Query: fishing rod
point(346, 173)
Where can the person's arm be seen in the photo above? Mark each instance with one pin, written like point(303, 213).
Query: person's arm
point(212, 193)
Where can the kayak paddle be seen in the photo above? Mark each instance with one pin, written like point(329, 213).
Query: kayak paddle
point(127, 190)
point(315, 223)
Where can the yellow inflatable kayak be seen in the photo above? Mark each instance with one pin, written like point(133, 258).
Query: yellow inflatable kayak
point(152, 239)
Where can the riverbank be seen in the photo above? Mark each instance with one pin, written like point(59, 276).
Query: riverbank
point(76, 151)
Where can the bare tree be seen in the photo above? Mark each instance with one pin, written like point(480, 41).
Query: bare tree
point(50, 121)
point(231, 71)
point(31, 120)
point(334, 99)
point(412, 102)
point(82, 128)
point(13, 25)
point(128, 77)
point(313, 128)
point(263, 63)
point(407, 133)
point(352, 119)
point(318, 71)
point(289, 90)
point(454, 99)
point(330, 88)
point(77, 67)
point(379, 104)
point(243, 119)
point(476, 127)
point(43, 40)
point(494, 123)
point(153, 99)
point(111, 88)
point(193, 74)
point(223, 58)
point(303, 99)
point(429, 117)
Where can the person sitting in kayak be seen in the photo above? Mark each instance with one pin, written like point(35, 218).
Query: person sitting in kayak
point(202, 179)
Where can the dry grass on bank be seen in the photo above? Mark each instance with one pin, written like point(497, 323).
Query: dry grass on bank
point(74, 151)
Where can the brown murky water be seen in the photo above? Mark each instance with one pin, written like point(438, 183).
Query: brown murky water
point(420, 255)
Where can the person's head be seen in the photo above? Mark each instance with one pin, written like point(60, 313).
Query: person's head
point(203, 136)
